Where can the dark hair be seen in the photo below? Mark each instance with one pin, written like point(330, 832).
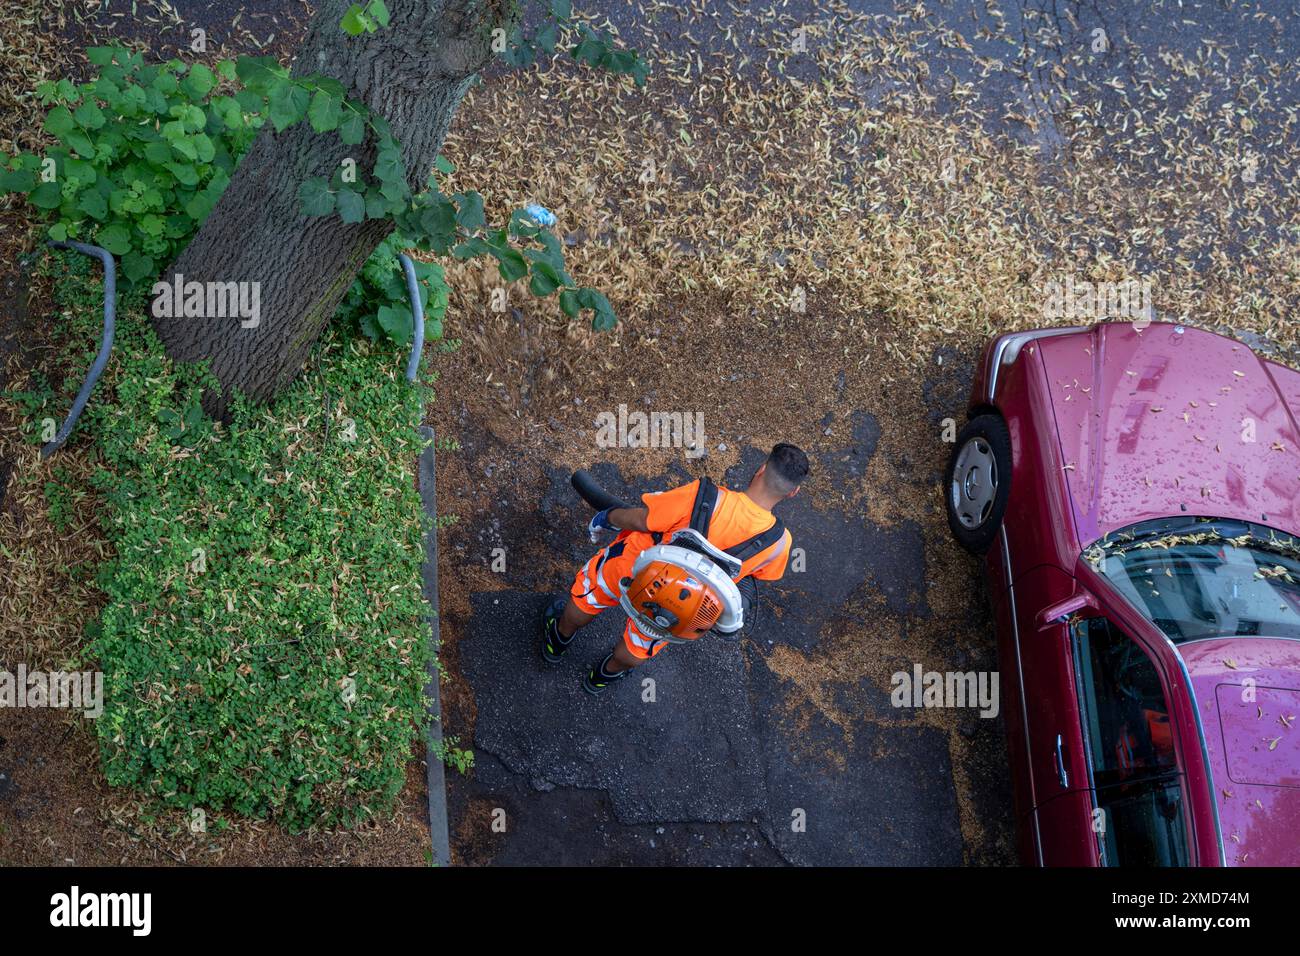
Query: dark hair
point(788, 465)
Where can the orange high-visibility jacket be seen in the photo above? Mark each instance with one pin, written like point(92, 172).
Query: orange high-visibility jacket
point(736, 518)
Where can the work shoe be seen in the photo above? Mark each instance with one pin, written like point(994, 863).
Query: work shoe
point(598, 678)
point(554, 644)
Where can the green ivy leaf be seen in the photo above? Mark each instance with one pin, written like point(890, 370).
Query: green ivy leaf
point(89, 115)
point(470, 214)
point(379, 11)
point(185, 146)
point(397, 321)
point(92, 204)
point(352, 206)
point(198, 207)
point(46, 196)
point(569, 303)
point(288, 105)
point(164, 82)
point(16, 181)
point(259, 73)
point(324, 112)
point(604, 319)
point(59, 122)
point(315, 197)
point(115, 238)
point(200, 81)
point(251, 102)
point(471, 248)
point(389, 166)
point(353, 23)
point(352, 130)
point(204, 150)
point(158, 153)
point(590, 51)
point(228, 110)
point(138, 266)
point(376, 204)
point(81, 143)
point(547, 37)
point(396, 191)
point(439, 223)
point(551, 253)
point(191, 118)
point(80, 170)
point(109, 92)
point(544, 281)
point(185, 174)
point(511, 264)
point(151, 225)
point(156, 101)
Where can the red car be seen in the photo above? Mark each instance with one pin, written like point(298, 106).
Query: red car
point(1136, 494)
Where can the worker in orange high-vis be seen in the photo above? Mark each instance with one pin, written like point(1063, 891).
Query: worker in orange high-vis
point(740, 523)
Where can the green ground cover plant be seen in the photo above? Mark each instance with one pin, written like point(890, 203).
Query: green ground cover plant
point(264, 640)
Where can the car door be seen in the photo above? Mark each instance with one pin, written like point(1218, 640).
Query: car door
point(1043, 661)
point(1065, 824)
point(1046, 661)
point(1135, 780)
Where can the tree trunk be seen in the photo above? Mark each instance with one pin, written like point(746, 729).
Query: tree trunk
point(413, 73)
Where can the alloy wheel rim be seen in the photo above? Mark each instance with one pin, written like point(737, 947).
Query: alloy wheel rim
point(974, 483)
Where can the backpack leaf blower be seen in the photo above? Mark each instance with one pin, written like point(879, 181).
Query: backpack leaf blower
point(682, 586)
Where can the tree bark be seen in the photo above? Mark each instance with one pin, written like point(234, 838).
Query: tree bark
point(413, 73)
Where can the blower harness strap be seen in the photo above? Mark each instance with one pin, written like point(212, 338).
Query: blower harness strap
point(706, 499)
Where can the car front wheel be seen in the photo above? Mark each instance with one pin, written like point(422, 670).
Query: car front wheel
point(978, 482)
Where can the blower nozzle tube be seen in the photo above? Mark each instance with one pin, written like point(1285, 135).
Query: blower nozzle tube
point(592, 493)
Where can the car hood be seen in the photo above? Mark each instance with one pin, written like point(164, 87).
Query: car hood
point(1172, 420)
point(1247, 693)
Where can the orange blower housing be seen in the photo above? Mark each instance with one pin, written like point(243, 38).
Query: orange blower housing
point(679, 604)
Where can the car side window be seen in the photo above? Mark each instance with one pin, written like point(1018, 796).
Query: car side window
point(1138, 789)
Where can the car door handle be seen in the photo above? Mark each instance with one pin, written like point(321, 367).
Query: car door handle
point(1062, 774)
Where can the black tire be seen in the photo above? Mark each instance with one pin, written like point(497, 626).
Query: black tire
point(976, 500)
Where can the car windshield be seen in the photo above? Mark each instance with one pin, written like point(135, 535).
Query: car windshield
point(1205, 577)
